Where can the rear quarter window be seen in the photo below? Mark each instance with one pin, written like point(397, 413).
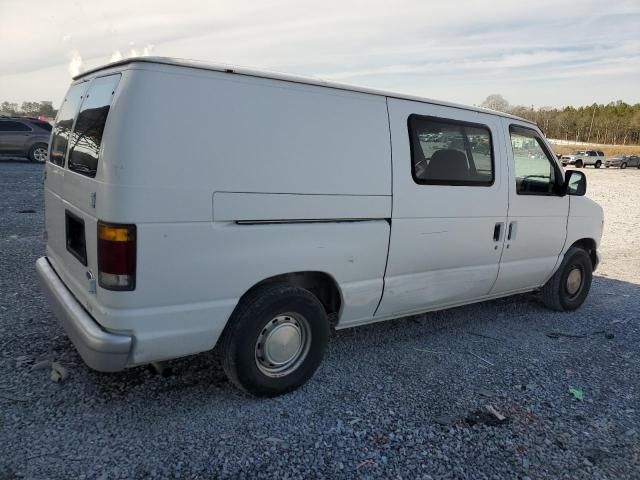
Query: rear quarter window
point(86, 139)
point(43, 126)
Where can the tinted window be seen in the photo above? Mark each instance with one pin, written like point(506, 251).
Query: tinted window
point(10, 126)
point(43, 125)
point(536, 173)
point(600, 153)
point(448, 152)
point(64, 123)
point(87, 135)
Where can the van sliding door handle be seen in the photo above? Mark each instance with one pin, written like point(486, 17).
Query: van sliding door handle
point(497, 232)
point(511, 234)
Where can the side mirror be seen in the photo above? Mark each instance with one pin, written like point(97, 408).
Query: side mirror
point(575, 183)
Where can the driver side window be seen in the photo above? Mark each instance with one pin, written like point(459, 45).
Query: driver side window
point(536, 173)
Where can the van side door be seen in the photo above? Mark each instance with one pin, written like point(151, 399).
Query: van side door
point(537, 226)
point(449, 206)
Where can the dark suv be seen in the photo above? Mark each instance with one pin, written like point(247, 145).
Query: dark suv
point(24, 137)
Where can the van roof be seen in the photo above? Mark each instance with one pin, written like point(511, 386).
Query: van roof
point(218, 67)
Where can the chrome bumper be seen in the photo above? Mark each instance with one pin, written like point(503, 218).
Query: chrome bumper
point(101, 350)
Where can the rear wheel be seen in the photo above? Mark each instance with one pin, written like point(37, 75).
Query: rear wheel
point(38, 153)
point(275, 340)
point(598, 163)
point(570, 285)
point(578, 163)
point(624, 165)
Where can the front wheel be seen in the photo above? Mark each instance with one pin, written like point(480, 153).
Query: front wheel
point(598, 163)
point(275, 340)
point(570, 285)
point(38, 153)
point(624, 165)
point(578, 163)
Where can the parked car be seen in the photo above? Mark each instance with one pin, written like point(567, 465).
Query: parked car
point(623, 161)
point(582, 158)
point(24, 137)
point(243, 228)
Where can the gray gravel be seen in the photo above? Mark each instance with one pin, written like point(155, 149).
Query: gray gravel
point(391, 400)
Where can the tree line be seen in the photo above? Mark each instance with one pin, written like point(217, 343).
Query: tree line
point(616, 123)
point(29, 109)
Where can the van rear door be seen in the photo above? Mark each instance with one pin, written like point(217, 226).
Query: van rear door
point(73, 182)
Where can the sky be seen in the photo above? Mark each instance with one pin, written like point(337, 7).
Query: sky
point(543, 53)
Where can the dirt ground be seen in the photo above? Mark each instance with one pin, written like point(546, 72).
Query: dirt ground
point(397, 399)
point(618, 192)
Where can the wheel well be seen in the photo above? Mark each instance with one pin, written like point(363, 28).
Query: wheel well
point(321, 284)
point(589, 246)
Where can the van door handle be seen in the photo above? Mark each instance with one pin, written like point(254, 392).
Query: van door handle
point(497, 231)
point(511, 234)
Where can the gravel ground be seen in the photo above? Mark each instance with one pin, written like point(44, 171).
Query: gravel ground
point(393, 400)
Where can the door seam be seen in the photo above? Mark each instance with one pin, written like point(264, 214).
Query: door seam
point(386, 262)
point(506, 219)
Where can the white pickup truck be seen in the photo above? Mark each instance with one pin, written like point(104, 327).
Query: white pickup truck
point(582, 158)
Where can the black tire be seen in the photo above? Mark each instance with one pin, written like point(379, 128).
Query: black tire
point(598, 163)
point(607, 166)
point(35, 153)
point(579, 164)
point(638, 166)
point(242, 358)
point(623, 166)
point(556, 294)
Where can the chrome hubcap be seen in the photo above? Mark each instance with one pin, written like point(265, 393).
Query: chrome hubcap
point(282, 345)
point(574, 281)
point(40, 154)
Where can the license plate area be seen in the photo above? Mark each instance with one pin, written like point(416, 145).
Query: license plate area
point(76, 240)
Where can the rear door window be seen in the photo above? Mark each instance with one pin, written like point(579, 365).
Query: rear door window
point(13, 127)
point(86, 139)
point(64, 123)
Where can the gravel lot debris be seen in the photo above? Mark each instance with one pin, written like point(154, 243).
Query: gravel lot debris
point(391, 400)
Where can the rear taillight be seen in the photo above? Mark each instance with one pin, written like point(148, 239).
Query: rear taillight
point(116, 256)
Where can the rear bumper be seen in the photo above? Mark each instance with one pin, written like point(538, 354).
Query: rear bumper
point(101, 350)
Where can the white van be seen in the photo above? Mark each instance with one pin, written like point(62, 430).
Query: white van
point(193, 206)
